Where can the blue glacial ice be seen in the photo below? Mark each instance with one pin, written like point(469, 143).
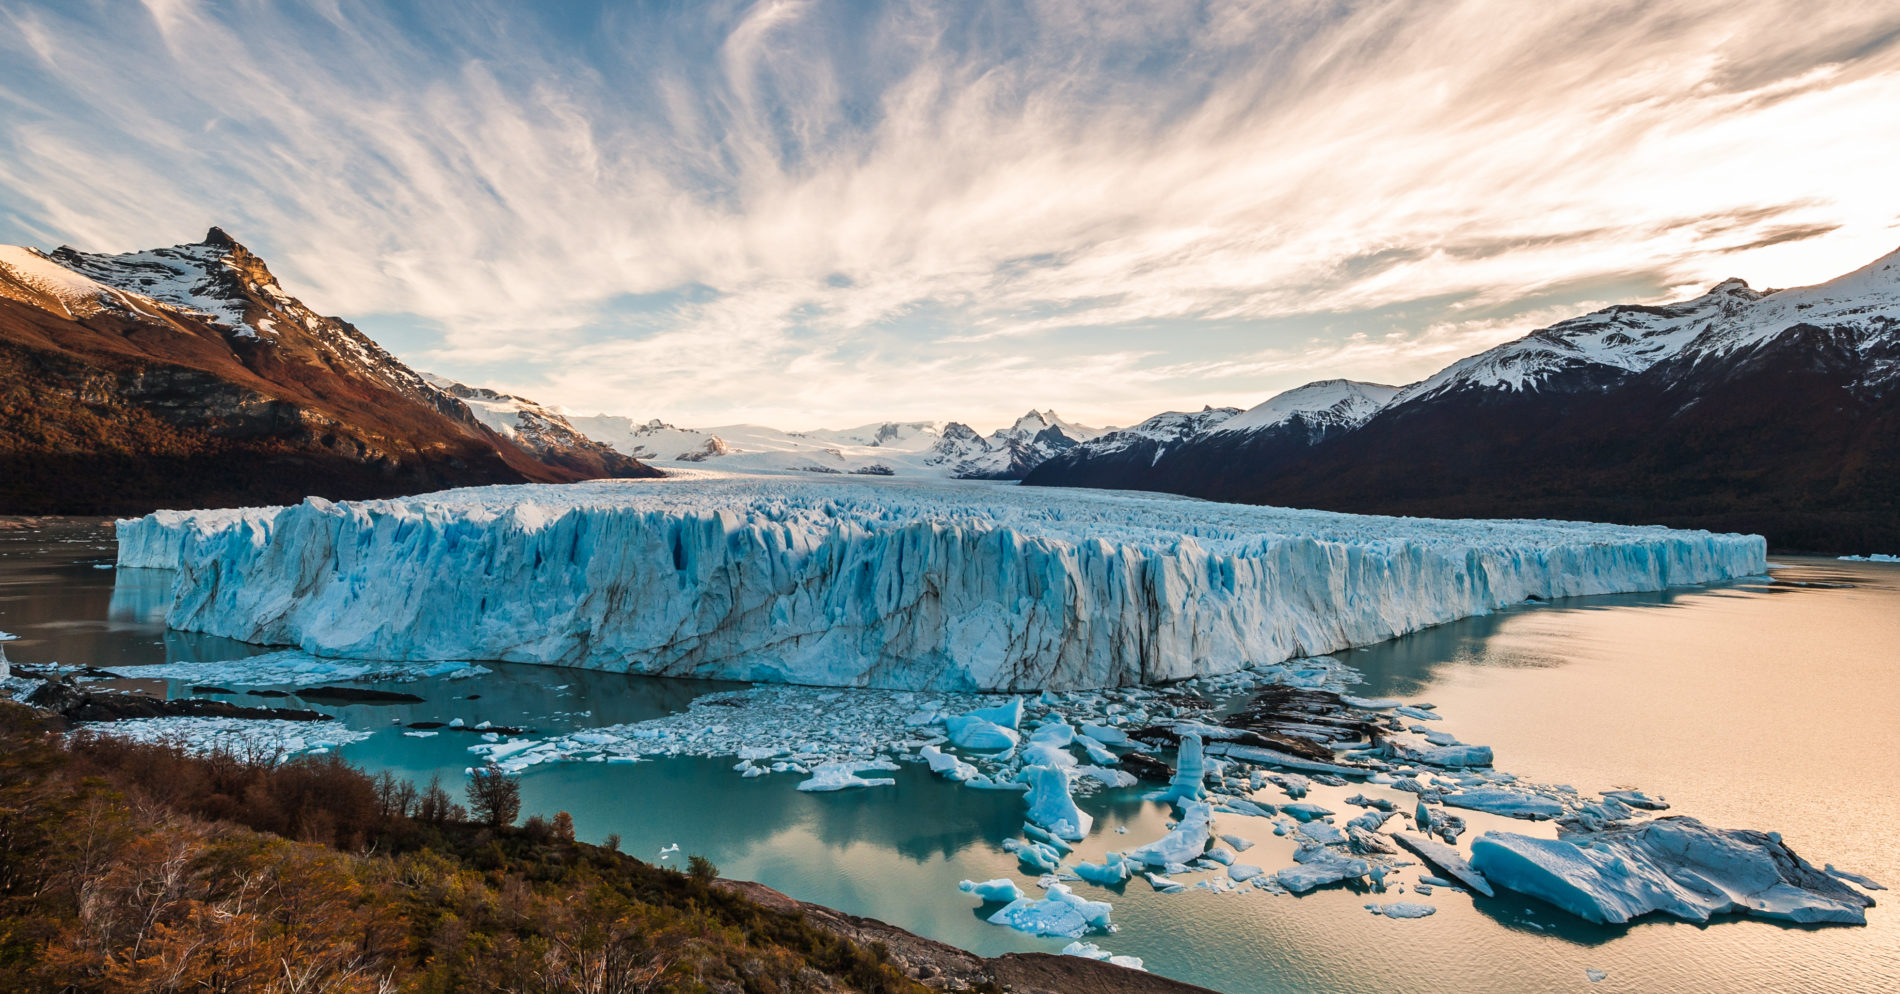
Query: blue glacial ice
point(1052, 806)
point(1089, 950)
point(897, 584)
point(1060, 913)
point(1001, 890)
point(1674, 866)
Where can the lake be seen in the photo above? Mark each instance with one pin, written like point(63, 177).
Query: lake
point(1769, 704)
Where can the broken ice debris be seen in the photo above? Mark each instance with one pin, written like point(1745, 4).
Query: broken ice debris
point(1504, 801)
point(1407, 909)
point(1185, 842)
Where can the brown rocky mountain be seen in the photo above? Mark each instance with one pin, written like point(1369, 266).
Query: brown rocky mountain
point(186, 376)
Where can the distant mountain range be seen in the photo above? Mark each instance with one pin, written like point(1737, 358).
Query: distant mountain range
point(890, 448)
point(186, 376)
point(1773, 412)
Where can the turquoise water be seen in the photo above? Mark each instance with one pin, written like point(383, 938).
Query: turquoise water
point(1763, 705)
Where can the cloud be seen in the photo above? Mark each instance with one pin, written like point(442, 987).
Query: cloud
point(958, 209)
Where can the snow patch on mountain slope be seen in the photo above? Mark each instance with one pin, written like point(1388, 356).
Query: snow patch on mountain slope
point(1729, 318)
point(860, 582)
point(1333, 403)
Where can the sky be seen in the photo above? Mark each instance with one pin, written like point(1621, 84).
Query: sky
point(817, 214)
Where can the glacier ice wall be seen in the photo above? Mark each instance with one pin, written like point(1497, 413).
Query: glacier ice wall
point(897, 584)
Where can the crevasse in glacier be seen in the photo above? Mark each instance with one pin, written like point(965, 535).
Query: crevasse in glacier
point(898, 584)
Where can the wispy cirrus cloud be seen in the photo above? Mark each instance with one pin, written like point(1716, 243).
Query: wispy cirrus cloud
point(805, 213)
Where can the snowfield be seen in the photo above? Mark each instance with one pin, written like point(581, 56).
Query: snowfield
point(879, 583)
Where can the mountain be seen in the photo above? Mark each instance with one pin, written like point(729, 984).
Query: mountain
point(1773, 411)
point(1008, 453)
point(543, 431)
point(1211, 446)
point(886, 448)
point(188, 376)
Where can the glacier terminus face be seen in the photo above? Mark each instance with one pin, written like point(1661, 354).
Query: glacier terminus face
point(871, 582)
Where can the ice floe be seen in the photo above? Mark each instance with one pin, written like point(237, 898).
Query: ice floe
point(1061, 912)
point(1089, 950)
point(1675, 866)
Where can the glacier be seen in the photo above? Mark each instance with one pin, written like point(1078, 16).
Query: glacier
point(873, 583)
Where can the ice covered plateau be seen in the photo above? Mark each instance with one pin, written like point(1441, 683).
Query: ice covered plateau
point(878, 583)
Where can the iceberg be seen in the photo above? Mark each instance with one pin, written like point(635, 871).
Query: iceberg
point(1190, 773)
point(1407, 909)
point(1675, 866)
point(869, 582)
point(1112, 870)
point(1052, 806)
point(971, 732)
point(945, 765)
point(1060, 913)
point(1185, 843)
point(1001, 890)
point(1317, 867)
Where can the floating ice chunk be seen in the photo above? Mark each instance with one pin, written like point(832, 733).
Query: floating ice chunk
point(1243, 872)
point(1113, 869)
point(1239, 844)
point(422, 735)
point(1060, 912)
point(1304, 811)
point(1415, 748)
point(1446, 859)
point(1089, 950)
point(1039, 834)
point(1009, 715)
point(1318, 867)
point(1866, 883)
point(981, 734)
point(1098, 752)
point(1051, 804)
point(1293, 784)
point(1190, 770)
point(1371, 704)
point(1505, 801)
point(1637, 799)
point(1674, 865)
point(1407, 909)
point(945, 765)
point(1284, 760)
point(1105, 734)
point(1242, 806)
point(1413, 712)
point(1001, 890)
point(1107, 777)
point(839, 776)
point(1185, 843)
point(1161, 883)
point(1322, 833)
point(1036, 857)
point(1596, 976)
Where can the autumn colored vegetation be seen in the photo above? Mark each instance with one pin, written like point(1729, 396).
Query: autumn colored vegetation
point(128, 867)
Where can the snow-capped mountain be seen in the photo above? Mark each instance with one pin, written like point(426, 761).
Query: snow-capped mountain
point(1007, 453)
point(1320, 406)
point(1172, 446)
point(885, 448)
point(539, 429)
point(1739, 410)
point(189, 375)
